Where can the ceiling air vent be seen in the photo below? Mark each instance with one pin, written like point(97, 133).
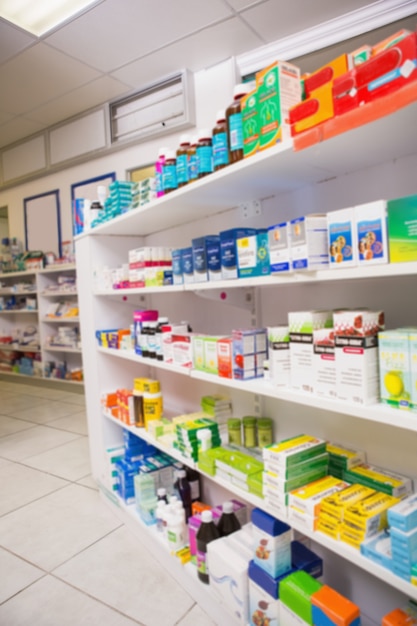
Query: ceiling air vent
point(156, 110)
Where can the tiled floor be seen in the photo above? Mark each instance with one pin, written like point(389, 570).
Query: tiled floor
point(65, 559)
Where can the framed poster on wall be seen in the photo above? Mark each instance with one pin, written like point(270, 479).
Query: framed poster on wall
point(43, 222)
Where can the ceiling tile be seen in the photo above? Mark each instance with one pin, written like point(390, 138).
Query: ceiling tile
point(17, 129)
point(12, 41)
point(239, 5)
point(195, 52)
point(95, 93)
point(274, 20)
point(44, 74)
point(117, 32)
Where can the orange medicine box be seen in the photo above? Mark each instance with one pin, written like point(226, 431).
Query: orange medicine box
point(329, 607)
point(326, 74)
point(401, 617)
point(315, 109)
point(225, 357)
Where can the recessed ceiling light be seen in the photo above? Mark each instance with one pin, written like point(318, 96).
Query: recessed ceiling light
point(39, 16)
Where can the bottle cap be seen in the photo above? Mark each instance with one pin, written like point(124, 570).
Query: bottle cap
point(221, 116)
point(227, 507)
point(184, 139)
point(249, 420)
point(161, 491)
point(170, 154)
point(204, 133)
point(241, 90)
point(162, 320)
point(162, 152)
point(206, 516)
point(181, 473)
point(194, 140)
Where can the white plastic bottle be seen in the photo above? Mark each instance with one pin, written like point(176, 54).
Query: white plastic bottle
point(175, 531)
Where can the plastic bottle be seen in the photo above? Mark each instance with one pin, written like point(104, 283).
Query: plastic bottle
point(151, 340)
point(169, 175)
point(162, 495)
point(193, 478)
point(183, 487)
point(249, 431)
point(182, 160)
point(207, 532)
point(234, 124)
point(162, 321)
point(204, 153)
point(159, 514)
point(192, 160)
point(159, 168)
point(144, 339)
point(264, 432)
point(228, 522)
point(175, 531)
point(220, 143)
point(234, 429)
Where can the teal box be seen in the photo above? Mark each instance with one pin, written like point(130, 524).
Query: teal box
point(253, 255)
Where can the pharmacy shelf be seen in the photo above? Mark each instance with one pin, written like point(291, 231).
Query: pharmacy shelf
point(270, 172)
point(61, 349)
point(19, 375)
point(19, 311)
point(5, 275)
point(77, 383)
point(375, 413)
point(57, 294)
point(19, 349)
point(11, 292)
point(60, 320)
point(57, 268)
point(373, 272)
point(129, 355)
point(339, 547)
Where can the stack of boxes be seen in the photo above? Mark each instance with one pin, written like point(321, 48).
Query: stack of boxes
point(366, 518)
point(302, 325)
point(342, 458)
point(332, 511)
point(289, 465)
point(304, 503)
point(402, 519)
point(196, 434)
point(150, 267)
point(249, 353)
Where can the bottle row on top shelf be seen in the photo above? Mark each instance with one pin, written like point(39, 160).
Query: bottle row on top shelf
point(331, 354)
point(278, 104)
point(361, 236)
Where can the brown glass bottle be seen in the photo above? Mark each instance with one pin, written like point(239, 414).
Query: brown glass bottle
point(220, 143)
point(204, 153)
point(182, 161)
point(169, 173)
point(234, 124)
point(192, 160)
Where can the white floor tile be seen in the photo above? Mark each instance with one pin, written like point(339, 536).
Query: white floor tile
point(196, 616)
point(50, 602)
point(10, 425)
point(61, 525)
point(20, 446)
point(74, 423)
point(75, 398)
point(88, 481)
point(20, 485)
point(44, 413)
point(70, 461)
point(21, 402)
point(19, 575)
point(120, 571)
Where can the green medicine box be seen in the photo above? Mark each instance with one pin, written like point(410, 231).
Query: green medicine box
point(402, 229)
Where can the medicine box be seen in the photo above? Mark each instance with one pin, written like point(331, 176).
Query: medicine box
point(404, 545)
point(308, 240)
point(228, 572)
point(406, 616)
point(315, 109)
point(250, 123)
point(402, 229)
point(342, 240)
point(324, 365)
point(368, 516)
point(228, 250)
point(187, 265)
point(289, 452)
point(302, 558)
point(395, 369)
point(279, 355)
point(404, 514)
point(296, 592)
point(177, 275)
point(378, 549)
point(280, 247)
point(206, 258)
point(272, 543)
point(197, 342)
point(382, 480)
point(278, 87)
point(371, 232)
point(225, 357)
point(263, 596)
point(210, 354)
point(356, 351)
point(274, 472)
point(301, 326)
point(412, 347)
point(330, 608)
point(253, 255)
point(308, 499)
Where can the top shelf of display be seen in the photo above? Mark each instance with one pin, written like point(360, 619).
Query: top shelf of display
point(280, 169)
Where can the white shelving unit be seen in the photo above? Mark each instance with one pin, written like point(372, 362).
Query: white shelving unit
point(353, 168)
point(42, 280)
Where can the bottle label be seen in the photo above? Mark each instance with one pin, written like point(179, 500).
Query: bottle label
point(220, 154)
point(195, 490)
point(235, 131)
point(193, 167)
point(202, 565)
point(170, 177)
point(205, 159)
point(182, 169)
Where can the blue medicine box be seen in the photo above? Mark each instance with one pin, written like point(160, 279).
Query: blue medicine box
point(177, 273)
point(187, 265)
point(228, 250)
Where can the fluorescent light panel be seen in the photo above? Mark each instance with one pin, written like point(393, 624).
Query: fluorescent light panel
point(40, 16)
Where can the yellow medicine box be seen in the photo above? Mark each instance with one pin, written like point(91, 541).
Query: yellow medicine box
point(367, 517)
point(308, 499)
point(336, 504)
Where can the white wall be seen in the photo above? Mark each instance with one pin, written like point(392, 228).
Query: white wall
point(213, 91)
